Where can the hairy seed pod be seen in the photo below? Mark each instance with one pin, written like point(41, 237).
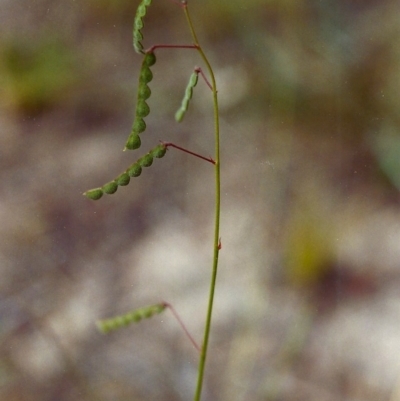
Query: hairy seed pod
point(117, 322)
point(110, 188)
point(133, 142)
point(94, 194)
point(123, 179)
point(188, 95)
point(159, 151)
point(142, 109)
point(135, 170)
point(146, 160)
point(138, 25)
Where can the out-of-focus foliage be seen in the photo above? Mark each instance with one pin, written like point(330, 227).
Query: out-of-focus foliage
point(35, 75)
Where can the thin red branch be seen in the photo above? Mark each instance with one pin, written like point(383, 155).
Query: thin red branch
point(200, 71)
point(177, 317)
point(208, 159)
point(162, 46)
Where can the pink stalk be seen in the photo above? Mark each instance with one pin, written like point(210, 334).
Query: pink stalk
point(169, 144)
point(174, 312)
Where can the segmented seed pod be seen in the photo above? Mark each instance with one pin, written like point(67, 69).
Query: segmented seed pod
point(110, 188)
point(94, 194)
point(132, 171)
point(138, 25)
point(159, 151)
point(146, 160)
point(117, 322)
point(123, 179)
point(135, 170)
point(142, 108)
point(188, 95)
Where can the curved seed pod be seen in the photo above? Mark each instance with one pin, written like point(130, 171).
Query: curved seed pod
point(123, 179)
point(94, 194)
point(188, 95)
point(138, 25)
point(110, 188)
point(159, 151)
point(117, 322)
point(135, 170)
point(133, 141)
point(142, 108)
point(146, 160)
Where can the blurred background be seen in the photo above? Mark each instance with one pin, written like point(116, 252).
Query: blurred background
point(308, 295)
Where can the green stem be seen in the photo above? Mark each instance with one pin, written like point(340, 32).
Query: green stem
point(203, 355)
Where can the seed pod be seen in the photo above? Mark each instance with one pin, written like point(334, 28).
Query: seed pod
point(139, 24)
point(146, 160)
point(133, 141)
point(117, 322)
point(188, 95)
point(135, 170)
point(123, 179)
point(94, 194)
point(159, 151)
point(110, 188)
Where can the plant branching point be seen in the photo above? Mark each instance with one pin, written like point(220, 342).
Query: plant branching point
point(134, 170)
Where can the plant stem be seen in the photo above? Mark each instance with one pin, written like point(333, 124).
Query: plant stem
point(203, 355)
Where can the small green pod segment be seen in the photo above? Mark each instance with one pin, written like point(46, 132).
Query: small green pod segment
point(146, 160)
point(135, 170)
point(145, 75)
point(144, 92)
point(149, 59)
point(138, 125)
point(133, 142)
point(142, 109)
point(188, 95)
point(94, 194)
point(110, 188)
point(123, 179)
point(159, 151)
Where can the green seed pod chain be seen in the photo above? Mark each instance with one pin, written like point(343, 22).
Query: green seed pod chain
point(188, 95)
point(138, 25)
point(133, 170)
point(137, 315)
point(142, 108)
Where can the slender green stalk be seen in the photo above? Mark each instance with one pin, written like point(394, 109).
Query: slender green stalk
point(217, 246)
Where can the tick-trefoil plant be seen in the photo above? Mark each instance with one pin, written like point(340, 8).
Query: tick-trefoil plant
point(133, 143)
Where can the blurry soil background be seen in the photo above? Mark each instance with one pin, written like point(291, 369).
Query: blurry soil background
point(308, 295)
